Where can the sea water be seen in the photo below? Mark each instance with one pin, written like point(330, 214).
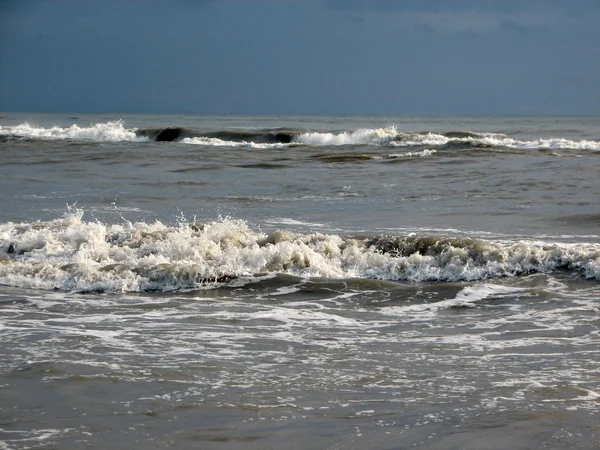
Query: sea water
point(299, 281)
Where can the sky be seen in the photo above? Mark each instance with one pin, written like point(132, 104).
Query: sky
point(354, 57)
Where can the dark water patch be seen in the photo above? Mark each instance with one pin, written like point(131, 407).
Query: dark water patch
point(234, 439)
point(188, 183)
point(6, 138)
point(12, 300)
point(465, 145)
point(159, 276)
point(266, 283)
point(264, 136)
point(119, 155)
point(264, 165)
point(148, 132)
point(247, 200)
point(426, 245)
point(69, 142)
point(47, 161)
point(48, 370)
point(169, 134)
point(112, 163)
point(333, 158)
point(217, 437)
point(33, 180)
point(471, 155)
point(396, 160)
point(196, 169)
point(166, 184)
point(151, 197)
point(237, 199)
point(284, 158)
point(406, 158)
point(19, 138)
point(463, 134)
point(405, 155)
point(590, 220)
point(360, 284)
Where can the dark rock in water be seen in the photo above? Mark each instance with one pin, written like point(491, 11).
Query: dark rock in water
point(169, 134)
point(11, 248)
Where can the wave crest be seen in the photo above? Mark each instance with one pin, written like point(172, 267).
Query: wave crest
point(377, 136)
point(116, 131)
point(71, 254)
point(100, 132)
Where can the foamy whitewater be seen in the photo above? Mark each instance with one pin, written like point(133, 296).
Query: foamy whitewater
point(307, 282)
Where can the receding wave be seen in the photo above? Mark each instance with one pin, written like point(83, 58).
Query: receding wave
point(72, 254)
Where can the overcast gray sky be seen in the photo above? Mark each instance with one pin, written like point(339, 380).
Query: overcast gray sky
point(419, 57)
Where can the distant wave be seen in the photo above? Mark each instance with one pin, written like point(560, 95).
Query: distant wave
point(453, 139)
point(284, 137)
point(74, 255)
point(378, 136)
point(100, 132)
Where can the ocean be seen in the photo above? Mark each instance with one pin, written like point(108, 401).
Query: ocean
point(323, 282)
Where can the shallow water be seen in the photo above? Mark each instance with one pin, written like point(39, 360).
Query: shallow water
point(341, 364)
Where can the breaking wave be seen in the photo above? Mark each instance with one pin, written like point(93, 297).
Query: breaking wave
point(100, 132)
point(391, 137)
point(378, 136)
point(74, 255)
point(285, 137)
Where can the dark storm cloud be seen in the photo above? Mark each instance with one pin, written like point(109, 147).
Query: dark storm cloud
point(291, 56)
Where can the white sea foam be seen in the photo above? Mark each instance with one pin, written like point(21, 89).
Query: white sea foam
point(391, 137)
point(411, 140)
point(556, 143)
point(216, 142)
point(377, 136)
point(71, 254)
point(102, 132)
point(496, 140)
point(418, 154)
point(294, 222)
